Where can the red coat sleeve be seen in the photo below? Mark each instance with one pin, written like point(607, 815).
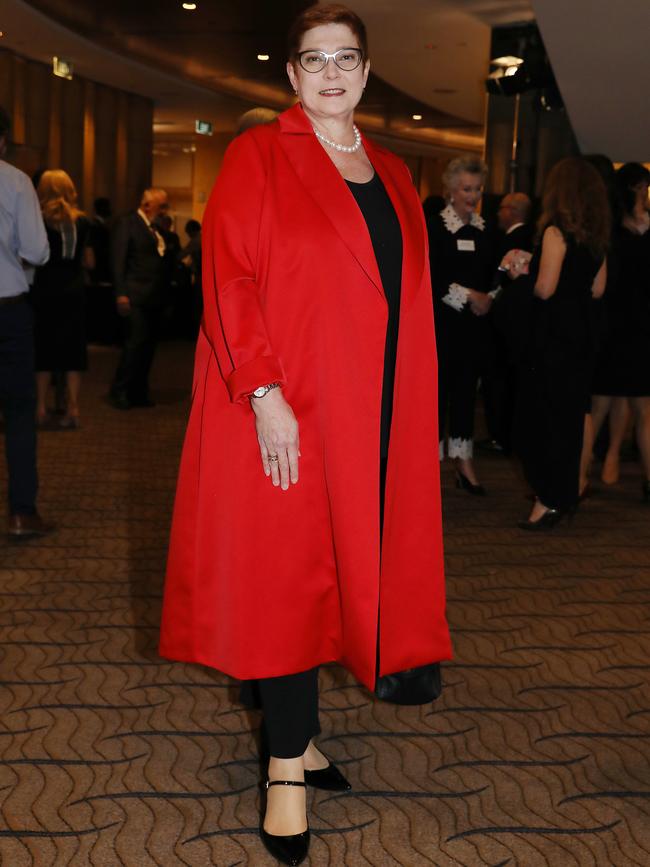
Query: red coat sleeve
point(234, 319)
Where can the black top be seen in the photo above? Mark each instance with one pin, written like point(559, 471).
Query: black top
point(564, 333)
point(386, 236)
point(58, 297)
point(63, 271)
point(623, 367)
point(467, 256)
point(627, 300)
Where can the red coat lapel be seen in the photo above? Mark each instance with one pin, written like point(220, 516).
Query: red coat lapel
point(322, 179)
point(402, 195)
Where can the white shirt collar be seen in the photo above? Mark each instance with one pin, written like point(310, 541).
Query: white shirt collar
point(453, 222)
point(513, 227)
point(158, 237)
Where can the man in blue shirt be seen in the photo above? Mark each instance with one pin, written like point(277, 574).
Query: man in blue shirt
point(23, 241)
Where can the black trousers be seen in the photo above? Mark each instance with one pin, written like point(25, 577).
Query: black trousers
point(290, 707)
point(141, 330)
point(498, 384)
point(18, 404)
point(459, 353)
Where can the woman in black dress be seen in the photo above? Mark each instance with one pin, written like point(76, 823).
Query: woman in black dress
point(622, 376)
point(568, 270)
point(58, 295)
point(462, 255)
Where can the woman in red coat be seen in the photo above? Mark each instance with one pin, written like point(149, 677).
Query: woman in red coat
point(308, 415)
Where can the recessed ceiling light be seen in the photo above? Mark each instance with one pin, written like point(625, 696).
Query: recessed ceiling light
point(263, 57)
point(417, 117)
point(189, 6)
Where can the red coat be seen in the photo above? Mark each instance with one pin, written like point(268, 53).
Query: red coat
point(262, 582)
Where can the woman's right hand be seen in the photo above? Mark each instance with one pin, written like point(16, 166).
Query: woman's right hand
point(516, 262)
point(277, 434)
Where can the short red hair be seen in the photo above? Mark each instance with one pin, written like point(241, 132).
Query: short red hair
point(332, 13)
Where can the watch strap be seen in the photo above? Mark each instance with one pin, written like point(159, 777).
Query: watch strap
point(263, 390)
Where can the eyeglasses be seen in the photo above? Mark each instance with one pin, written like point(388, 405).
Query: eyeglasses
point(346, 59)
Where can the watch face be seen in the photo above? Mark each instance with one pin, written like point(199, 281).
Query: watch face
point(260, 392)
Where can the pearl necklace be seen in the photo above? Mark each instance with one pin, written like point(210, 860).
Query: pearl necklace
point(346, 149)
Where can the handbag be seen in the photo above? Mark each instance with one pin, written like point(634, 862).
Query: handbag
point(419, 685)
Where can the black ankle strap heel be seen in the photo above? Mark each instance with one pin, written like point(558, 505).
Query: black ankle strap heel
point(293, 848)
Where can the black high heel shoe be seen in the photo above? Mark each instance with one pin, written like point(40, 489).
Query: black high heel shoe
point(645, 491)
point(464, 483)
point(330, 779)
point(290, 849)
point(551, 518)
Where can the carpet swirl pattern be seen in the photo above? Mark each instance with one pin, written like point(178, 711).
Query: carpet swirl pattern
point(537, 754)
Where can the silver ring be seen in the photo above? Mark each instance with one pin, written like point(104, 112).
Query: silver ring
point(273, 458)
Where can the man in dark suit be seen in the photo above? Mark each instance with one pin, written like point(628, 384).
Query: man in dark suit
point(513, 217)
point(140, 278)
point(497, 380)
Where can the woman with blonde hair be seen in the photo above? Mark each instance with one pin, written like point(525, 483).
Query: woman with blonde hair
point(59, 330)
point(568, 270)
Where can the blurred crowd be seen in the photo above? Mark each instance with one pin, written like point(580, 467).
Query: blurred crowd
point(125, 282)
point(541, 308)
point(549, 319)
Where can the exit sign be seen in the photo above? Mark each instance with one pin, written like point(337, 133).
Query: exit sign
point(62, 68)
point(203, 127)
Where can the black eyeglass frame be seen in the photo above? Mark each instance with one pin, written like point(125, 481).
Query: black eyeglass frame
point(329, 57)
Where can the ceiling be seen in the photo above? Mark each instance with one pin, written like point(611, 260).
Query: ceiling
point(429, 57)
point(438, 51)
point(603, 73)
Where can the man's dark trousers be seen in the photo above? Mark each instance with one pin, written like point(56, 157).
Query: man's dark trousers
point(141, 331)
point(18, 404)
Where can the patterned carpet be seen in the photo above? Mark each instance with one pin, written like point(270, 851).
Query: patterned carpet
point(538, 753)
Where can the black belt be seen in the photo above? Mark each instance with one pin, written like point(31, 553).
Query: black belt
point(14, 299)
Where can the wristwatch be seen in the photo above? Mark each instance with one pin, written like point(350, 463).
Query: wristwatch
point(264, 389)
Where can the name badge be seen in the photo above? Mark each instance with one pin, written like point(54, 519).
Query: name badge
point(465, 246)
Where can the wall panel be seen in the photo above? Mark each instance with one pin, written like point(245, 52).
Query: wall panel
point(6, 81)
point(102, 136)
point(37, 106)
point(105, 141)
point(72, 130)
point(139, 147)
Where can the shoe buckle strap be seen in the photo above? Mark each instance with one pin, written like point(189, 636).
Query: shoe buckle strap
point(270, 783)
